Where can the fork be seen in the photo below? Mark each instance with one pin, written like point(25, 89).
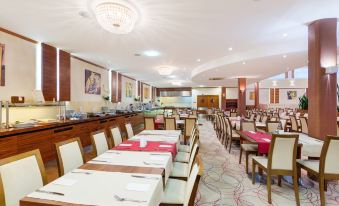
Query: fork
point(122, 199)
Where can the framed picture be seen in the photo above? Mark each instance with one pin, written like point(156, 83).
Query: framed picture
point(92, 82)
point(2, 65)
point(291, 95)
point(252, 95)
point(129, 89)
point(146, 92)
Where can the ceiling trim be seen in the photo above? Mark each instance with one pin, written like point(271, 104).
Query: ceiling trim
point(18, 35)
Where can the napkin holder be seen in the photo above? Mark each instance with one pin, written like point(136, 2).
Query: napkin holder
point(143, 143)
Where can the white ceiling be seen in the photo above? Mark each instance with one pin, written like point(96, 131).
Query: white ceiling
point(183, 31)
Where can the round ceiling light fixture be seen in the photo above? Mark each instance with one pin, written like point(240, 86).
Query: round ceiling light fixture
point(165, 70)
point(115, 16)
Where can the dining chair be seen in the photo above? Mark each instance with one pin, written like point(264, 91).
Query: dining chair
point(149, 123)
point(246, 146)
point(228, 113)
point(181, 170)
point(192, 116)
point(232, 135)
point(116, 134)
point(252, 117)
point(264, 119)
point(258, 118)
point(273, 119)
point(294, 124)
point(327, 168)
point(272, 126)
point(129, 130)
point(20, 175)
point(233, 114)
point(281, 161)
point(187, 148)
point(180, 192)
point(189, 124)
point(170, 123)
point(176, 116)
point(70, 155)
point(304, 125)
point(185, 156)
point(99, 142)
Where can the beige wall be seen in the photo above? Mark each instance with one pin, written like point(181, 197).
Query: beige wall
point(148, 88)
point(20, 65)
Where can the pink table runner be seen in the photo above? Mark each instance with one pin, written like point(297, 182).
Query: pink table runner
point(151, 147)
point(263, 139)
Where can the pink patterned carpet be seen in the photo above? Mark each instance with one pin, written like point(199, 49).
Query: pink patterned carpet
point(225, 182)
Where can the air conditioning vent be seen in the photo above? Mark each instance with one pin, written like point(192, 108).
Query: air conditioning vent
point(216, 78)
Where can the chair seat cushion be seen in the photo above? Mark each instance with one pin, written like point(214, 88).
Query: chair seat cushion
point(184, 148)
point(263, 161)
point(180, 169)
point(249, 147)
point(182, 157)
point(311, 164)
point(174, 192)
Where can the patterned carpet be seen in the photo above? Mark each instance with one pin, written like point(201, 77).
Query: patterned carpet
point(225, 182)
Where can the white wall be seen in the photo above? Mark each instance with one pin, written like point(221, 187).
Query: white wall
point(232, 93)
point(176, 101)
point(148, 88)
point(205, 91)
point(264, 96)
point(20, 67)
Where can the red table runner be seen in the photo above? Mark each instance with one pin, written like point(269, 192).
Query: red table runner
point(151, 147)
point(263, 139)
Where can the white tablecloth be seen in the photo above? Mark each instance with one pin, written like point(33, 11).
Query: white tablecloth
point(99, 188)
point(173, 136)
point(137, 159)
point(175, 133)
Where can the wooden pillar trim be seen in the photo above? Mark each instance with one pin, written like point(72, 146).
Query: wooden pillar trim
point(49, 72)
point(64, 76)
point(256, 95)
point(322, 52)
point(223, 98)
point(242, 96)
point(119, 87)
point(114, 85)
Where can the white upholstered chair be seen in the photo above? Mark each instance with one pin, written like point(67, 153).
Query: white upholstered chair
point(129, 130)
point(232, 135)
point(327, 168)
point(272, 126)
point(116, 134)
point(189, 125)
point(245, 146)
point(70, 155)
point(187, 148)
point(304, 125)
point(182, 170)
point(20, 175)
point(294, 124)
point(180, 192)
point(184, 156)
point(99, 142)
point(281, 161)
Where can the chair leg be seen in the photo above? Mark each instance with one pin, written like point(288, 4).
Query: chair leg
point(296, 189)
point(230, 145)
point(279, 180)
point(325, 185)
point(253, 172)
point(321, 191)
point(246, 155)
point(268, 183)
point(240, 155)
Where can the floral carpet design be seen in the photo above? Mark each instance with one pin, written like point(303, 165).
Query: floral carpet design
point(226, 183)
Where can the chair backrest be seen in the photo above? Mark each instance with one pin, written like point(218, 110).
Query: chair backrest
point(228, 127)
point(304, 125)
point(129, 130)
point(306, 115)
point(228, 113)
point(193, 182)
point(192, 116)
point(264, 119)
point(70, 155)
point(272, 126)
point(329, 163)
point(99, 142)
point(294, 124)
point(20, 175)
point(273, 119)
point(189, 124)
point(283, 152)
point(247, 126)
point(252, 117)
point(160, 116)
point(176, 116)
point(192, 157)
point(149, 123)
point(233, 114)
point(170, 123)
point(258, 118)
point(116, 134)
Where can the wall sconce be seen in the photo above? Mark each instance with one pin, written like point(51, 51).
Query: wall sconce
point(331, 69)
point(274, 83)
point(242, 90)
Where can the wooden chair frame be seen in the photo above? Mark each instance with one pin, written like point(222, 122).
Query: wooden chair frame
point(14, 158)
point(247, 153)
point(269, 171)
point(95, 152)
point(153, 121)
point(186, 137)
point(321, 174)
point(267, 122)
point(301, 125)
point(59, 159)
point(175, 122)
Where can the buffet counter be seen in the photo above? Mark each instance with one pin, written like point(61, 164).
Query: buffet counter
point(43, 136)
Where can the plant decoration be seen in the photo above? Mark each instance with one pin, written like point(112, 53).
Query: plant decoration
point(137, 99)
point(303, 102)
point(105, 95)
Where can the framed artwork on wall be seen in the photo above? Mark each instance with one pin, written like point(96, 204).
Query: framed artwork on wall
point(291, 95)
point(252, 95)
point(129, 89)
point(2, 65)
point(146, 92)
point(92, 82)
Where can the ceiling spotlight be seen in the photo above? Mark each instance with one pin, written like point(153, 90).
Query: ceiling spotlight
point(274, 83)
point(165, 70)
point(201, 85)
point(198, 60)
point(172, 76)
point(284, 56)
point(151, 53)
point(243, 62)
point(230, 49)
point(285, 35)
point(292, 83)
point(176, 83)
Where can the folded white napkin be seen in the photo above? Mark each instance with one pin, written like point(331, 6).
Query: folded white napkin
point(125, 145)
point(165, 146)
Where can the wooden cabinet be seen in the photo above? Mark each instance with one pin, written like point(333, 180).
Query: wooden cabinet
point(208, 101)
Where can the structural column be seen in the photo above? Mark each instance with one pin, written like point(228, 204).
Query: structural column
point(256, 95)
point(223, 98)
point(322, 53)
point(242, 96)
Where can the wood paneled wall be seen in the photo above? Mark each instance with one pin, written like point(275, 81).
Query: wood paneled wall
point(49, 71)
point(64, 76)
point(223, 98)
point(119, 87)
point(114, 85)
point(274, 96)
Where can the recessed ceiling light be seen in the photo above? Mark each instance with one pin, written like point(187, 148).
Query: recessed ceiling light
point(230, 49)
point(172, 76)
point(198, 60)
point(201, 85)
point(165, 70)
point(243, 62)
point(285, 35)
point(151, 53)
point(176, 83)
point(284, 56)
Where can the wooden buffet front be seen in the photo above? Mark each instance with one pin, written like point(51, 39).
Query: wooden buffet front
point(43, 137)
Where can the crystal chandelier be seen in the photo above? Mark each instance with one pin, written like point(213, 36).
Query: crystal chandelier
point(116, 17)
